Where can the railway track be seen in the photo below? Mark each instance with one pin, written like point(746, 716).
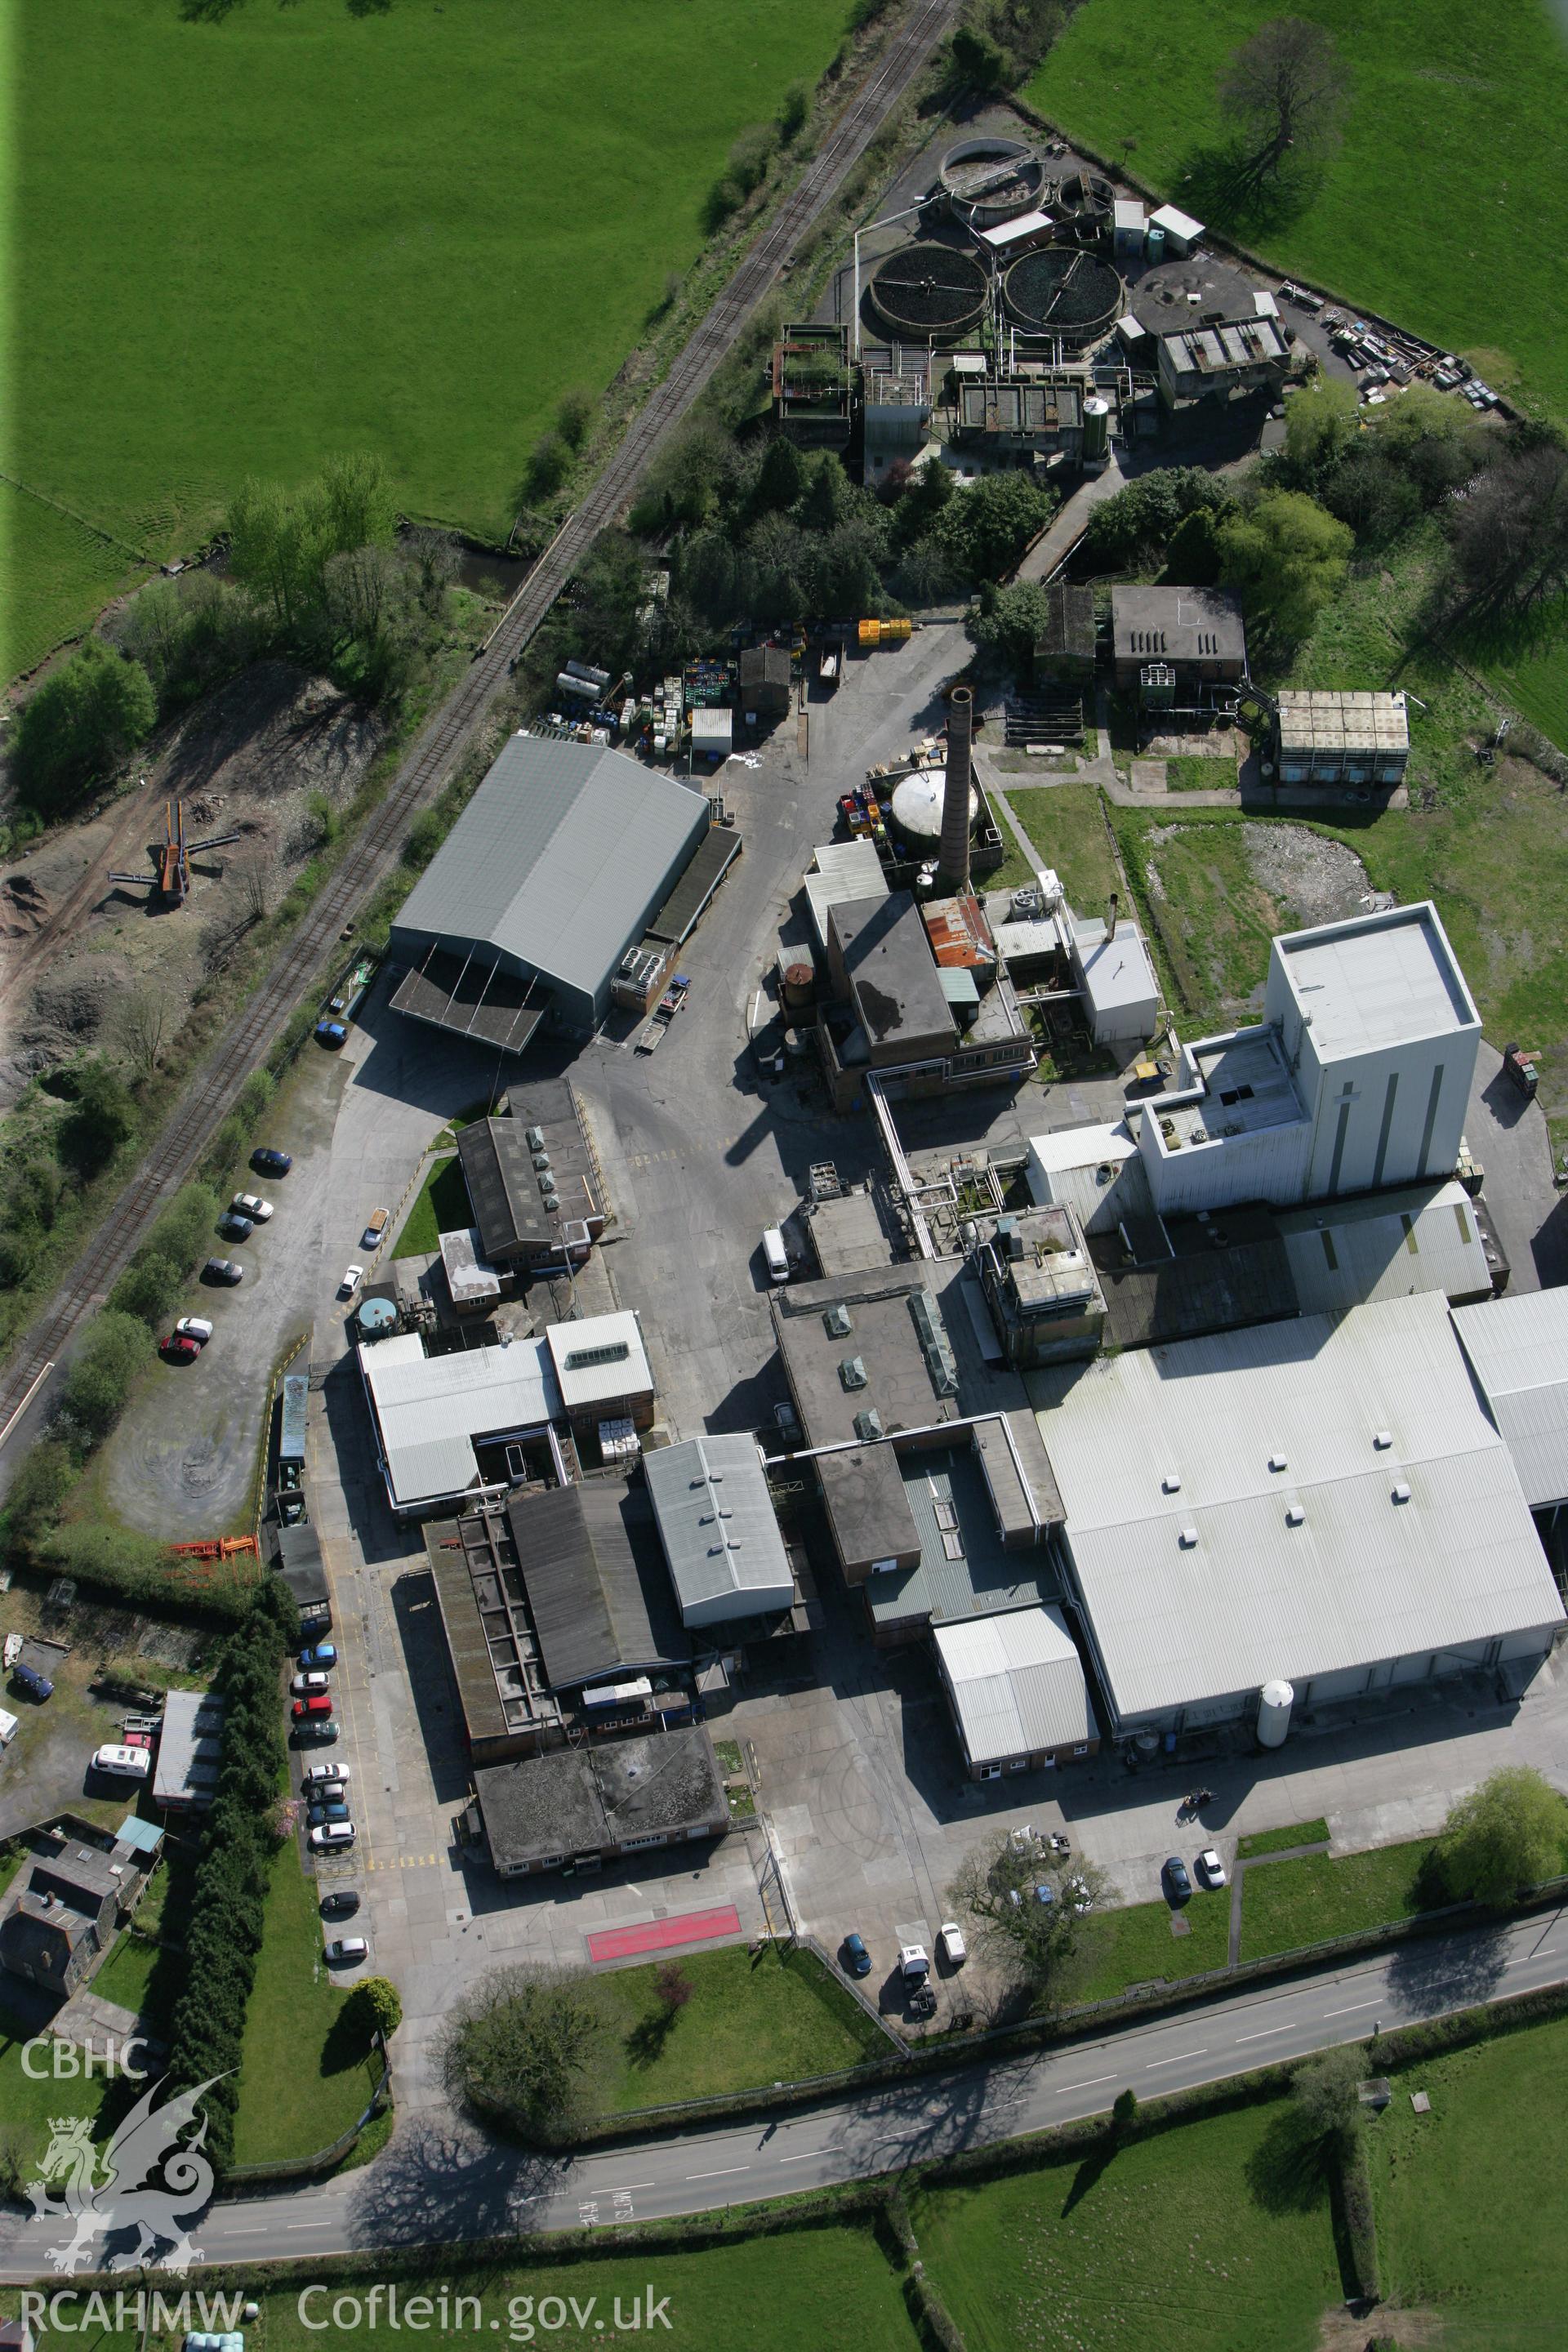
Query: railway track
point(216, 1083)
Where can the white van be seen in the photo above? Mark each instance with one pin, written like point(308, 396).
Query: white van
point(776, 1254)
point(123, 1763)
point(8, 1728)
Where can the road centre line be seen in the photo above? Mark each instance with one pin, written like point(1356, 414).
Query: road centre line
point(1067, 2088)
point(626, 2188)
point(1262, 2035)
point(806, 2157)
point(724, 2173)
point(1351, 2011)
point(1177, 2059)
point(1520, 1960)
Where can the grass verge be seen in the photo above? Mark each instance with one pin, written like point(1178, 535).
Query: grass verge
point(1135, 1946)
point(440, 1206)
point(1290, 1904)
point(1313, 1833)
point(1066, 824)
point(1189, 771)
point(304, 2075)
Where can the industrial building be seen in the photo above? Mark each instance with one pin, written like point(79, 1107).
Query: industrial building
point(1040, 1285)
point(847, 1234)
point(1031, 414)
point(1067, 646)
point(1221, 357)
point(602, 1371)
point(814, 385)
point(560, 863)
point(840, 872)
point(534, 1184)
point(1014, 1684)
point(189, 1750)
point(765, 681)
point(1195, 635)
point(586, 1806)
point(721, 1537)
point(1518, 1349)
point(1323, 738)
point(1321, 1505)
point(1359, 1075)
point(919, 1024)
point(1104, 961)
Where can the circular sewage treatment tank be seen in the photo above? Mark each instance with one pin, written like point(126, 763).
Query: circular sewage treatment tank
point(988, 181)
point(1058, 291)
point(929, 289)
point(917, 804)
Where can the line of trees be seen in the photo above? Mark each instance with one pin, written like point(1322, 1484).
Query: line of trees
point(242, 1832)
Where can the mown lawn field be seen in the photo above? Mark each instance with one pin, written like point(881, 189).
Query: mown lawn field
point(1444, 96)
point(1066, 824)
point(241, 243)
point(748, 2023)
point(304, 2077)
point(1286, 1906)
point(1135, 1946)
point(1205, 2238)
point(53, 572)
point(440, 1206)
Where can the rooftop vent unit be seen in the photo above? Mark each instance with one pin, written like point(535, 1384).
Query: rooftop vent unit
point(869, 1426)
point(1402, 1492)
point(837, 1323)
point(852, 1372)
point(1189, 1537)
point(605, 1351)
point(1382, 1440)
point(935, 1344)
point(1278, 1461)
point(1294, 1515)
point(541, 1161)
point(1171, 1484)
point(547, 1178)
point(551, 1201)
point(534, 1139)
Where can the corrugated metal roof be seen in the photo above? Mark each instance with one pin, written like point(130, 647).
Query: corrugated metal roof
point(1016, 1682)
point(1363, 1578)
point(1378, 979)
point(1393, 1246)
point(556, 857)
point(717, 1524)
point(1518, 1347)
point(844, 870)
point(598, 1359)
point(190, 1749)
point(431, 1407)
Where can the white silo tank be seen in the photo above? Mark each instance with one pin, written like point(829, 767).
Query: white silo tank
point(1274, 1713)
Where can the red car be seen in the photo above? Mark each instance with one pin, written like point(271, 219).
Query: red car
point(305, 1709)
point(178, 1349)
point(136, 1740)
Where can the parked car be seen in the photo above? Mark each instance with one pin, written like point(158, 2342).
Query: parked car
point(1077, 1893)
point(316, 1705)
point(319, 1727)
point(29, 1680)
point(324, 1654)
point(347, 1952)
point(1210, 1869)
point(234, 1227)
point(340, 1903)
point(331, 1033)
point(9, 1726)
point(317, 1772)
point(350, 1281)
point(303, 1685)
point(122, 1763)
point(267, 1160)
point(856, 1958)
point(332, 1836)
point(193, 1327)
point(1176, 1878)
point(330, 1808)
point(138, 1739)
point(955, 1950)
point(224, 1269)
point(375, 1229)
point(175, 1348)
point(251, 1205)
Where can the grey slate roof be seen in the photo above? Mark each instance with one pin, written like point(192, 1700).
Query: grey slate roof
point(595, 1579)
point(556, 857)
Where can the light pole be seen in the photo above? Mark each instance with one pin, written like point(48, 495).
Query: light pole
point(886, 222)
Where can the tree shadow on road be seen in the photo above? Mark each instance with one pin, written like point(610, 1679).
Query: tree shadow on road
point(440, 2182)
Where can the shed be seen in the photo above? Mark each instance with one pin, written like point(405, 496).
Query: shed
point(1180, 230)
point(712, 733)
point(1014, 1683)
point(765, 680)
point(190, 1749)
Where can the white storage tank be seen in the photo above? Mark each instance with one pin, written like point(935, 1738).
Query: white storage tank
point(1274, 1713)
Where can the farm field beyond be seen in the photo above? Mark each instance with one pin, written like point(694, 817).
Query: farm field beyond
point(244, 242)
point(1444, 98)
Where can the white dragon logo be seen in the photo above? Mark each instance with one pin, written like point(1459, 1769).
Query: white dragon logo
point(150, 2177)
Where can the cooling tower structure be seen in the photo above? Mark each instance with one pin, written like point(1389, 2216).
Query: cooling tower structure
point(957, 798)
point(927, 292)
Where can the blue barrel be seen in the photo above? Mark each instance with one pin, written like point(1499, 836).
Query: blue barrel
point(1154, 244)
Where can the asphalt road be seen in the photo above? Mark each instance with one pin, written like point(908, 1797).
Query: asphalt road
point(437, 2184)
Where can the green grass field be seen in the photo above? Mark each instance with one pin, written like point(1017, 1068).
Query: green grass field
point(1191, 772)
point(54, 572)
point(1312, 1832)
point(1288, 1905)
point(1135, 1946)
point(1190, 2240)
point(1066, 825)
point(304, 2079)
point(747, 2023)
point(440, 1206)
point(1443, 97)
point(1212, 919)
point(240, 245)
point(1472, 2200)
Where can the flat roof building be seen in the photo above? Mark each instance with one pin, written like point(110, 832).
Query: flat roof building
point(553, 870)
point(720, 1535)
point(601, 1369)
point(1040, 1285)
point(846, 1235)
point(1116, 973)
point(580, 1804)
point(1014, 1684)
point(430, 1411)
point(1197, 632)
point(967, 1566)
point(1331, 738)
point(1322, 1503)
point(1222, 356)
point(534, 1183)
point(190, 1749)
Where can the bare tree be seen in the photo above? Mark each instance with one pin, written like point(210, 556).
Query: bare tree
point(1286, 89)
point(1025, 1917)
point(1509, 529)
point(363, 589)
point(143, 1025)
point(254, 876)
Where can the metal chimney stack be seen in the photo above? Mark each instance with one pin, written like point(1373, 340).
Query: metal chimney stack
point(952, 856)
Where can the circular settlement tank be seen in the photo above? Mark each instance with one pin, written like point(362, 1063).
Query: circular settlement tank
point(988, 181)
point(1096, 428)
point(917, 804)
point(1085, 201)
point(929, 291)
point(1274, 1713)
point(378, 1317)
point(1062, 291)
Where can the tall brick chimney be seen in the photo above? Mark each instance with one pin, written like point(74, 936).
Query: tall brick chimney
point(952, 857)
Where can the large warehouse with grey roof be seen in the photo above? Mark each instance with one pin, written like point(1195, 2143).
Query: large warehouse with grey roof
point(559, 864)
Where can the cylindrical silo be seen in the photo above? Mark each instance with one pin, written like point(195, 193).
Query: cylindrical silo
point(1274, 1713)
point(1096, 426)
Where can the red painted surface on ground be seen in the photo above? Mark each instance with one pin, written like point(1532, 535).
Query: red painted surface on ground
point(664, 1935)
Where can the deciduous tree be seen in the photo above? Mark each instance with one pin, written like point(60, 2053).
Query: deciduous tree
point(1285, 91)
point(80, 724)
point(1511, 1831)
point(526, 2042)
point(1326, 2096)
point(998, 1888)
point(1284, 555)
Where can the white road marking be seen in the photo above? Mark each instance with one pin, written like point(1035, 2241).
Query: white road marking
point(1177, 2059)
point(1522, 1959)
point(1262, 2035)
point(806, 2155)
point(1351, 2011)
point(722, 2174)
point(259, 2232)
point(1067, 2087)
point(631, 2185)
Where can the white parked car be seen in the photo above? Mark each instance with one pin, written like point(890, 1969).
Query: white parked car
point(314, 1772)
point(193, 1327)
point(347, 1952)
point(955, 1950)
point(1210, 1868)
point(331, 1836)
point(914, 1966)
point(305, 1685)
point(351, 1281)
point(251, 1205)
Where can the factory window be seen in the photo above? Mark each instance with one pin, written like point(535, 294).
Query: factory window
point(1082, 1750)
point(989, 1772)
point(630, 1845)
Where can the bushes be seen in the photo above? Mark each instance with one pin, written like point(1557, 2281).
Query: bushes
point(78, 726)
point(1359, 2218)
point(99, 1380)
point(99, 1121)
point(223, 1932)
point(118, 1559)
